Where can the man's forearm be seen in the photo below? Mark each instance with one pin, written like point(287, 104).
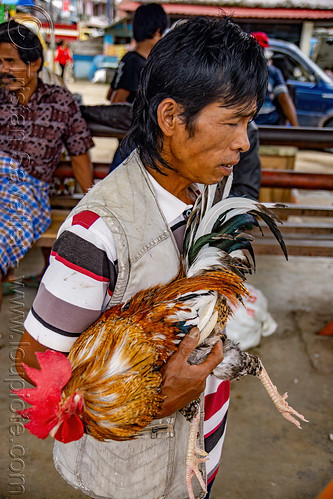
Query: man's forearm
point(288, 108)
point(83, 171)
point(119, 96)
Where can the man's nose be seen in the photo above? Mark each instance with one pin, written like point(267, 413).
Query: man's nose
point(4, 67)
point(241, 141)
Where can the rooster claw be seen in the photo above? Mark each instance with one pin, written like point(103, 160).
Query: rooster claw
point(280, 401)
point(192, 459)
point(289, 412)
point(289, 417)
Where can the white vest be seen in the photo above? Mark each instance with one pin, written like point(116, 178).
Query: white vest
point(153, 465)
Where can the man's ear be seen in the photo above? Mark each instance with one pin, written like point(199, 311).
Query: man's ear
point(168, 113)
point(35, 65)
point(157, 35)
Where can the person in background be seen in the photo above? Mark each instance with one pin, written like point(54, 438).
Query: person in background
point(247, 175)
point(36, 122)
point(277, 93)
point(149, 24)
point(63, 56)
point(281, 62)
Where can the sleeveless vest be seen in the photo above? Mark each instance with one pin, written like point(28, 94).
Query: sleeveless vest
point(153, 465)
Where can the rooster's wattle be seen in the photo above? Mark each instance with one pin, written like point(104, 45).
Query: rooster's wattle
point(109, 386)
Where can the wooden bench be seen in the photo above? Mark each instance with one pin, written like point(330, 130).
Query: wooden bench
point(307, 230)
point(301, 137)
point(307, 238)
point(48, 238)
point(313, 238)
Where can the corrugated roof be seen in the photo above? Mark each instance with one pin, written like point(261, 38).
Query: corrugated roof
point(236, 12)
point(264, 4)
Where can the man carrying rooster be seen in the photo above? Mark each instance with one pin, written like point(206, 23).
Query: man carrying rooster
point(201, 86)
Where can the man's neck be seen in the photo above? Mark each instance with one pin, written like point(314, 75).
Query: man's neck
point(172, 184)
point(24, 94)
point(143, 48)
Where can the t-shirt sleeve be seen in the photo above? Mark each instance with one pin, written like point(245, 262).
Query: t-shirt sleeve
point(279, 85)
point(77, 285)
point(77, 137)
point(128, 74)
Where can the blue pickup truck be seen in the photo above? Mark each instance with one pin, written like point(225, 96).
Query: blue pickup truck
point(313, 88)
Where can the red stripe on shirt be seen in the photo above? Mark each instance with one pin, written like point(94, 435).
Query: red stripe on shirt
point(215, 401)
point(85, 218)
point(72, 266)
point(209, 479)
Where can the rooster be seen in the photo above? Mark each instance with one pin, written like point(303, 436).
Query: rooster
point(109, 386)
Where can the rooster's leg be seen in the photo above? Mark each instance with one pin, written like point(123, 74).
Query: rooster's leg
point(279, 401)
point(192, 459)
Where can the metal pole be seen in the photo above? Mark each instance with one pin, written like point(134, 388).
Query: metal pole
point(52, 38)
point(289, 179)
point(302, 137)
point(110, 11)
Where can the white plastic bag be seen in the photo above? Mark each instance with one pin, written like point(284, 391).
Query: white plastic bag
point(251, 321)
point(99, 76)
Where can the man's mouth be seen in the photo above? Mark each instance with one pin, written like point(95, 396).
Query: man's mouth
point(227, 168)
point(7, 78)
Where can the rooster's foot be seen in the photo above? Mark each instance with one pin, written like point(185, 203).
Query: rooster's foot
point(279, 401)
point(192, 459)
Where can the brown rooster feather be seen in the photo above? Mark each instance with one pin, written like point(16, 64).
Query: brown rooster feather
point(112, 388)
point(115, 363)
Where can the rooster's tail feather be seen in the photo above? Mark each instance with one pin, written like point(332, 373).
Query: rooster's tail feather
point(222, 226)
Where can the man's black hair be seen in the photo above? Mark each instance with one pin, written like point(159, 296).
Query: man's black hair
point(147, 20)
point(200, 61)
point(24, 40)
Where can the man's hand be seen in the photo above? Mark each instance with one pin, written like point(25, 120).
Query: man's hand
point(182, 383)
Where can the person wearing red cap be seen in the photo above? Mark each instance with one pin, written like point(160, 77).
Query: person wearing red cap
point(261, 38)
point(277, 99)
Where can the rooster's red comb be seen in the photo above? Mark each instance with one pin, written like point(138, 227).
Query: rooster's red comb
point(55, 371)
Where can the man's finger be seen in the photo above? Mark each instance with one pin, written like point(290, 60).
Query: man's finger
point(189, 342)
point(213, 359)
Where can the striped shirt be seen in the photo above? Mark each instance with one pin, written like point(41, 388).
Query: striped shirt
point(76, 289)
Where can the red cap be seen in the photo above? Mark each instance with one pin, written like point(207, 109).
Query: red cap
point(261, 38)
